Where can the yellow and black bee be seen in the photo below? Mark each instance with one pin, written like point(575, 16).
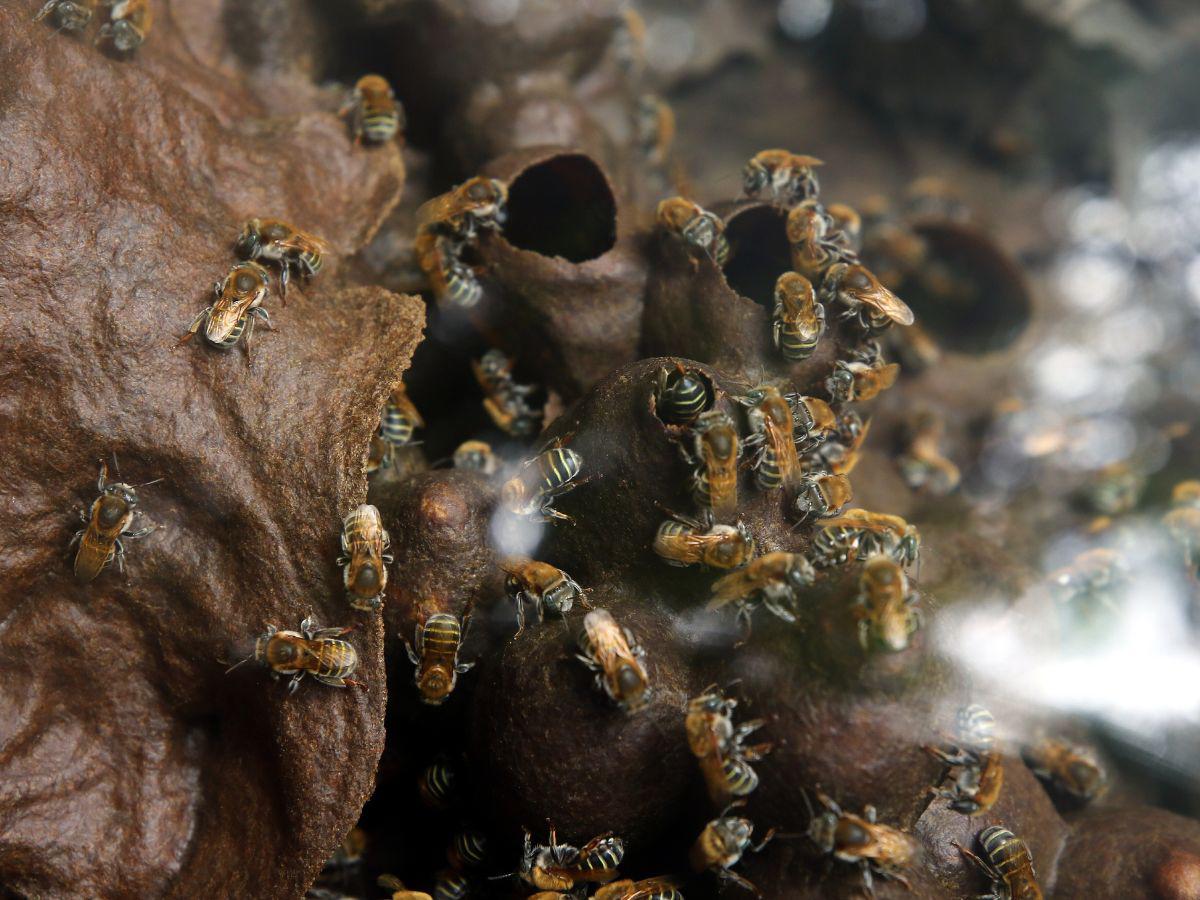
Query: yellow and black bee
point(109, 519)
point(375, 114)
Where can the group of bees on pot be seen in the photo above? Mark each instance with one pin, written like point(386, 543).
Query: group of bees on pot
point(129, 21)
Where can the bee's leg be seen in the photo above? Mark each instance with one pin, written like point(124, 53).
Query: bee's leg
point(75, 540)
point(744, 883)
point(355, 683)
point(549, 512)
point(141, 532)
point(520, 603)
point(193, 328)
point(285, 273)
point(868, 880)
point(295, 682)
point(119, 555)
point(46, 10)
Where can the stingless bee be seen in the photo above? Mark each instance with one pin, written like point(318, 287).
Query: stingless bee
point(681, 395)
point(975, 766)
point(505, 401)
point(451, 885)
point(820, 495)
point(545, 586)
point(559, 867)
point(645, 889)
point(799, 320)
point(461, 213)
point(655, 128)
point(861, 534)
point(540, 481)
point(375, 114)
point(923, 464)
point(885, 608)
point(69, 15)
point(236, 305)
point(439, 257)
point(365, 543)
point(684, 541)
point(613, 653)
point(774, 580)
point(699, 229)
point(876, 849)
point(787, 178)
point(108, 520)
point(1093, 577)
point(772, 425)
point(399, 419)
point(1182, 522)
point(476, 456)
point(319, 652)
point(399, 891)
point(1009, 865)
point(468, 849)
point(841, 453)
point(723, 843)
point(437, 785)
point(854, 379)
point(285, 245)
point(815, 242)
point(863, 297)
point(1067, 770)
point(379, 454)
point(714, 458)
point(718, 744)
point(438, 640)
point(128, 25)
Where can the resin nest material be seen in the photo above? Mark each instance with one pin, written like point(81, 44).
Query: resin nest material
point(132, 765)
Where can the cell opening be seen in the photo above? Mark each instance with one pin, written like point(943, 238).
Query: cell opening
point(562, 207)
point(968, 294)
point(759, 253)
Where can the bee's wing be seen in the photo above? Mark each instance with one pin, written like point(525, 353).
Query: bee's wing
point(437, 209)
point(728, 588)
point(302, 242)
point(880, 298)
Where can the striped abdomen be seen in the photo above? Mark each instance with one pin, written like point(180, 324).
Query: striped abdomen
point(797, 343)
point(441, 636)
point(739, 776)
point(235, 333)
point(606, 853)
point(451, 886)
point(556, 468)
point(468, 849)
point(436, 785)
point(834, 545)
point(309, 262)
point(1006, 852)
point(976, 727)
point(769, 473)
point(380, 124)
point(332, 658)
point(395, 427)
point(683, 398)
point(462, 287)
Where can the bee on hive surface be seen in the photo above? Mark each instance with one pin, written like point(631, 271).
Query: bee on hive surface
point(319, 652)
point(783, 177)
point(450, 279)
point(285, 245)
point(815, 240)
point(400, 418)
point(437, 785)
point(923, 464)
point(655, 128)
point(646, 889)
point(774, 579)
point(863, 298)
point(723, 843)
point(878, 850)
point(128, 25)
point(681, 395)
point(463, 212)
point(438, 640)
point(701, 231)
point(683, 541)
point(718, 744)
point(842, 452)
point(468, 849)
point(365, 543)
point(860, 534)
point(545, 586)
point(237, 303)
point(1009, 865)
point(847, 225)
point(799, 320)
point(772, 426)
point(559, 867)
point(108, 520)
point(854, 379)
point(541, 480)
point(476, 456)
point(1066, 769)
point(820, 495)
point(69, 15)
point(885, 608)
point(613, 653)
point(375, 113)
point(974, 763)
point(714, 458)
point(505, 401)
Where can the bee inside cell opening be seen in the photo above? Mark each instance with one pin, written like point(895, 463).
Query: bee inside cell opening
point(562, 207)
point(967, 295)
point(759, 252)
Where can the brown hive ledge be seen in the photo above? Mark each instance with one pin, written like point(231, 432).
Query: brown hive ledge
point(133, 766)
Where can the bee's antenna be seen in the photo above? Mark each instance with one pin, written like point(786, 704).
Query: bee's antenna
point(236, 664)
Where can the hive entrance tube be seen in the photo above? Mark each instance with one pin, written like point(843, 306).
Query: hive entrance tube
point(562, 207)
point(967, 295)
point(760, 253)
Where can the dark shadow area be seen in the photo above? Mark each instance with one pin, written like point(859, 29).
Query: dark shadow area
point(562, 207)
point(759, 252)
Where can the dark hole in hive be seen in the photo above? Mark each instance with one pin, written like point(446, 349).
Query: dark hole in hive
point(562, 207)
point(969, 295)
point(760, 253)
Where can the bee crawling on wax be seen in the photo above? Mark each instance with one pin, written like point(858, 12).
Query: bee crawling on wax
point(613, 653)
point(1009, 865)
point(885, 608)
point(438, 640)
point(681, 395)
point(784, 177)
point(128, 25)
point(723, 843)
point(69, 15)
point(877, 850)
point(702, 232)
point(819, 495)
point(540, 481)
point(237, 303)
point(975, 766)
point(863, 298)
point(1068, 770)
point(505, 401)
point(684, 541)
point(861, 534)
point(365, 543)
point(108, 520)
point(315, 651)
point(714, 457)
point(774, 580)
point(658, 888)
point(798, 319)
point(288, 247)
point(547, 587)
point(375, 113)
point(560, 867)
point(718, 744)
point(476, 456)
